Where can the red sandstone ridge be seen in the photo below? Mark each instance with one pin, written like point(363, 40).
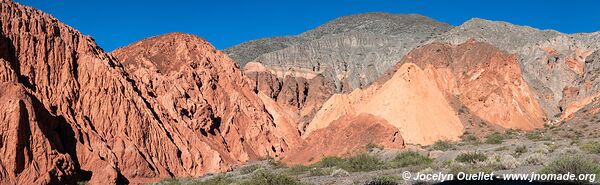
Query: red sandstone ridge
point(301, 92)
point(81, 116)
point(347, 136)
point(487, 81)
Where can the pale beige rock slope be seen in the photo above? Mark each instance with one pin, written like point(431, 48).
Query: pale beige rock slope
point(410, 100)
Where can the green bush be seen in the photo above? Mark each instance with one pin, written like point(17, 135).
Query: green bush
point(264, 177)
point(409, 159)
point(330, 161)
point(574, 164)
point(363, 162)
point(591, 147)
point(495, 138)
point(442, 145)
point(471, 157)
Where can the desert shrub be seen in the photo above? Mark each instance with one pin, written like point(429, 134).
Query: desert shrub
point(274, 163)
point(574, 164)
point(455, 168)
point(536, 159)
point(168, 181)
point(495, 138)
point(469, 138)
point(363, 162)
point(521, 149)
point(330, 161)
point(217, 180)
point(384, 180)
point(508, 162)
point(298, 169)
point(249, 169)
point(442, 145)
point(410, 158)
point(591, 147)
point(262, 177)
point(471, 157)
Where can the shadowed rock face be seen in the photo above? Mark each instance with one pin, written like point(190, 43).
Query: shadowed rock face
point(180, 108)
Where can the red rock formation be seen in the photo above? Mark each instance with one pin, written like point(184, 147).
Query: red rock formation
point(185, 117)
point(410, 100)
point(34, 144)
point(486, 80)
point(302, 92)
point(346, 136)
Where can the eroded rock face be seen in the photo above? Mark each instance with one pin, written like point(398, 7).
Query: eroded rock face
point(301, 92)
point(553, 64)
point(34, 144)
point(486, 80)
point(347, 136)
point(185, 114)
point(344, 54)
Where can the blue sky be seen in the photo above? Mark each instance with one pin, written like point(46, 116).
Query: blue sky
point(227, 22)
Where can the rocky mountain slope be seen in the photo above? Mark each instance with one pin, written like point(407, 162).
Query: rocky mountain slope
point(553, 64)
point(347, 53)
point(72, 112)
point(175, 106)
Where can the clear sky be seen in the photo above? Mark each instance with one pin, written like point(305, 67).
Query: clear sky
point(116, 23)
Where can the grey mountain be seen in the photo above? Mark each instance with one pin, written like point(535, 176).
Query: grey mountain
point(351, 51)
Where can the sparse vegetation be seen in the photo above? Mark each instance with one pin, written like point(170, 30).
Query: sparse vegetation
point(591, 147)
point(384, 180)
point(470, 138)
point(471, 157)
point(330, 161)
point(495, 138)
point(298, 169)
point(265, 177)
point(217, 180)
point(249, 169)
point(363, 162)
point(536, 159)
point(574, 164)
point(521, 150)
point(442, 145)
point(409, 159)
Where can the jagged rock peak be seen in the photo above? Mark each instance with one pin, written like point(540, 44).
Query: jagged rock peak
point(166, 52)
